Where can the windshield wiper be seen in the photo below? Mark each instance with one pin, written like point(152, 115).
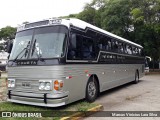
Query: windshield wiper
point(25, 53)
point(37, 52)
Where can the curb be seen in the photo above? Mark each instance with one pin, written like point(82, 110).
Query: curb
point(80, 115)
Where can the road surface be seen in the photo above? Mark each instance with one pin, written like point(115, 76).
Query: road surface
point(144, 96)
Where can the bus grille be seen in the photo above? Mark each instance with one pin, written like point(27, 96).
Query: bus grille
point(27, 85)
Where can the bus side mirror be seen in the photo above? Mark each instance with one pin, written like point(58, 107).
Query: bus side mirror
point(9, 46)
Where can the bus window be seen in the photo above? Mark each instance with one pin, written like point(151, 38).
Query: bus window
point(125, 48)
point(120, 47)
point(129, 49)
point(109, 45)
point(74, 48)
point(140, 51)
point(80, 47)
point(115, 46)
point(88, 51)
point(136, 51)
point(100, 44)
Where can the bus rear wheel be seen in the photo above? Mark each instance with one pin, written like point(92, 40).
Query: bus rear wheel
point(136, 77)
point(91, 90)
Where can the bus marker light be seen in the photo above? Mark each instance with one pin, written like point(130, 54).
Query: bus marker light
point(86, 71)
point(69, 77)
point(88, 75)
point(58, 84)
point(61, 84)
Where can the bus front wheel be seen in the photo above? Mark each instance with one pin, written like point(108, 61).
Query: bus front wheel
point(91, 90)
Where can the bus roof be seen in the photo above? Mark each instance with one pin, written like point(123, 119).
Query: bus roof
point(84, 25)
point(67, 22)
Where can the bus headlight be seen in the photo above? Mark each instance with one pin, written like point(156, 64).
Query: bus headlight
point(45, 85)
point(11, 83)
point(41, 85)
point(48, 86)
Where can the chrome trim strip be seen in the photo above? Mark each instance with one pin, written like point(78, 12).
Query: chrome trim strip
point(37, 104)
point(99, 56)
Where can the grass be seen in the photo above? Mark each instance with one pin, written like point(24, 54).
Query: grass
point(77, 106)
point(3, 90)
point(71, 108)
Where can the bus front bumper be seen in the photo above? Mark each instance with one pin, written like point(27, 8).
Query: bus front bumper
point(38, 99)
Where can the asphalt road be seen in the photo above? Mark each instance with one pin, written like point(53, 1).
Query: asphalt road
point(144, 96)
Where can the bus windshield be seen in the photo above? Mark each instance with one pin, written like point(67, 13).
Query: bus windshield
point(46, 42)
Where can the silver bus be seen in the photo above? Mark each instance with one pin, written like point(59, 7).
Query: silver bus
point(58, 61)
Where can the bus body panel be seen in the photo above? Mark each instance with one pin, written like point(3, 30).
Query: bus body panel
point(109, 75)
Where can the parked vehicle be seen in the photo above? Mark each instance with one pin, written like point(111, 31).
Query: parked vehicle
point(3, 60)
point(58, 61)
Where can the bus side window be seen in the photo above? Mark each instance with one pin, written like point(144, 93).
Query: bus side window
point(109, 45)
point(74, 47)
point(140, 52)
point(120, 47)
point(125, 48)
point(129, 49)
point(115, 46)
point(88, 50)
point(134, 50)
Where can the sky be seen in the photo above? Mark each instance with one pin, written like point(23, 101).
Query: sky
point(14, 12)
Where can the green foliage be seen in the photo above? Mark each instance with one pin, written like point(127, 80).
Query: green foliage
point(69, 16)
point(88, 14)
point(146, 18)
point(7, 33)
point(137, 15)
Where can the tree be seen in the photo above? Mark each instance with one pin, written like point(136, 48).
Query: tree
point(88, 14)
point(7, 33)
point(146, 21)
point(116, 18)
point(92, 12)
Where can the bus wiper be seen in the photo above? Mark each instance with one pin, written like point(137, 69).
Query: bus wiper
point(37, 52)
point(25, 53)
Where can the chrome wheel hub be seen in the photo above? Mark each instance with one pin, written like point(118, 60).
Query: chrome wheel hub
point(91, 89)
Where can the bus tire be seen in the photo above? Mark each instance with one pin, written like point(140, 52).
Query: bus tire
point(136, 77)
point(91, 90)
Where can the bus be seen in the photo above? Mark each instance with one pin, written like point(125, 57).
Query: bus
point(147, 60)
point(56, 61)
